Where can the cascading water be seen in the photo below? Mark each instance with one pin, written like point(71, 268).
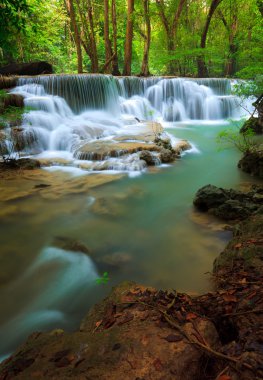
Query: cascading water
point(70, 110)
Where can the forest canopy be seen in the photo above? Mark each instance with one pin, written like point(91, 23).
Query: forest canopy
point(141, 37)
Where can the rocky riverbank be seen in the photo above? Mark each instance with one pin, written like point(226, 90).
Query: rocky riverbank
point(142, 333)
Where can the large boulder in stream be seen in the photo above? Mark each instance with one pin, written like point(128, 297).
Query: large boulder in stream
point(30, 68)
point(229, 204)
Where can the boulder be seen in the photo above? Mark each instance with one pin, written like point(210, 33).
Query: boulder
point(229, 204)
point(31, 68)
point(148, 157)
point(167, 155)
point(252, 124)
point(252, 162)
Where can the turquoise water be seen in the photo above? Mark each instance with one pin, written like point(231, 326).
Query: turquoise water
point(142, 229)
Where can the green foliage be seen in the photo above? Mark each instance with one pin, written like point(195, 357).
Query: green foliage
point(104, 279)
point(41, 30)
point(13, 17)
point(231, 137)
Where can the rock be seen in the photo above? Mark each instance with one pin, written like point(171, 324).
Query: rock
point(167, 155)
point(252, 124)
point(101, 150)
point(252, 162)
point(13, 100)
point(116, 259)
point(163, 142)
point(21, 163)
point(8, 82)
point(228, 204)
point(116, 341)
point(148, 157)
point(182, 146)
point(31, 68)
point(69, 244)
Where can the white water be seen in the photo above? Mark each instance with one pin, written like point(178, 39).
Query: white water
point(101, 108)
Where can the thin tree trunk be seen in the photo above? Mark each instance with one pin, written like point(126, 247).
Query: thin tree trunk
point(202, 69)
point(145, 61)
point(115, 64)
point(71, 12)
point(231, 31)
point(231, 63)
point(93, 45)
point(170, 30)
point(108, 49)
point(128, 40)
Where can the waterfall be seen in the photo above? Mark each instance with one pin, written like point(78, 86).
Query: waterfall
point(69, 111)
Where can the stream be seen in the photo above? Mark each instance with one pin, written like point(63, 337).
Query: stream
point(140, 227)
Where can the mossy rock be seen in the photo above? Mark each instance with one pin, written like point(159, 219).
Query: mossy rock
point(252, 124)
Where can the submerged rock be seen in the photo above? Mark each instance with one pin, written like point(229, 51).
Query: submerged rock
point(229, 204)
point(69, 244)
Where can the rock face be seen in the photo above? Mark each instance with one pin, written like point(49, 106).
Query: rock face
point(31, 68)
point(229, 204)
point(252, 162)
point(253, 124)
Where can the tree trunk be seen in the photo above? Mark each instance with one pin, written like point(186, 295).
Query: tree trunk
point(93, 45)
point(71, 12)
point(231, 63)
point(108, 49)
point(115, 64)
point(145, 61)
point(170, 30)
point(128, 41)
point(202, 69)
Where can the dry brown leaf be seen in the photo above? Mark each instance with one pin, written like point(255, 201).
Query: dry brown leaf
point(97, 324)
point(190, 316)
point(224, 377)
point(229, 298)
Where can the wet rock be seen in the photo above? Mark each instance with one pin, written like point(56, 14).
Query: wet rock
point(13, 100)
point(148, 157)
point(69, 244)
point(167, 155)
point(101, 150)
point(22, 163)
point(116, 259)
point(252, 124)
point(252, 162)
point(163, 142)
point(8, 82)
point(229, 204)
point(182, 146)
